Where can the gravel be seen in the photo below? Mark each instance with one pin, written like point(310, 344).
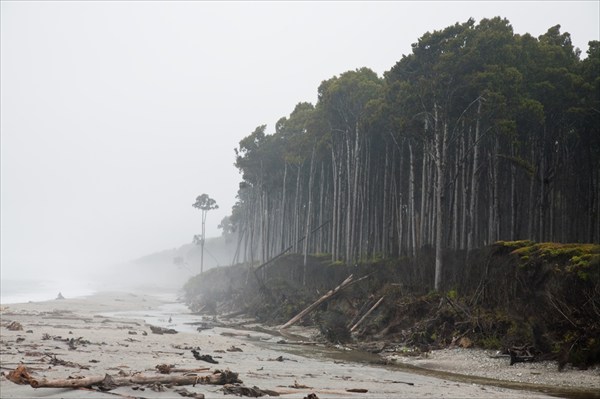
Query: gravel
point(481, 363)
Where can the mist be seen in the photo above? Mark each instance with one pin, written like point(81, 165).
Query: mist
point(115, 116)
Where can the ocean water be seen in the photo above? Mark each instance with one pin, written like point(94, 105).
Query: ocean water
point(22, 291)
point(170, 315)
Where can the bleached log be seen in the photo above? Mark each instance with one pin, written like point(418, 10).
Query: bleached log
point(21, 376)
point(347, 282)
point(367, 314)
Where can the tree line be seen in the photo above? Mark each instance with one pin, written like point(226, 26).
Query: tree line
point(478, 135)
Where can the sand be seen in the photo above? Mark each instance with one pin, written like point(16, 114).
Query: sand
point(109, 335)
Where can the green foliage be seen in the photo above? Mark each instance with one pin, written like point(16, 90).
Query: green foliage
point(205, 203)
point(572, 258)
point(452, 294)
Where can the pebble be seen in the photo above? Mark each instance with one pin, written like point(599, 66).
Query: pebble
point(478, 362)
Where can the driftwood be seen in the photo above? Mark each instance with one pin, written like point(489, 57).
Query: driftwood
point(53, 360)
point(186, 393)
point(346, 283)
point(168, 369)
point(162, 330)
point(521, 354)
point(254, 392)
point(21, 376)
point(286, 342)
point(206, 358)
point(358, 323)
point(15, 326)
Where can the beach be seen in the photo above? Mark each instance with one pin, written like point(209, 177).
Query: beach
point(110, 333)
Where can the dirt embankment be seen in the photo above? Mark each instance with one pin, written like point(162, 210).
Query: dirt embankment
point(531, 301)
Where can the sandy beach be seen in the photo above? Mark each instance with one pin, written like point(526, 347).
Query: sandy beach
point(109, 333)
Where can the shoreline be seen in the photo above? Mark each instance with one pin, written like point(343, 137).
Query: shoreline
point(106, 344)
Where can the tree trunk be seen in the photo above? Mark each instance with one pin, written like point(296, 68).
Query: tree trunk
point(308, 213)
point(411, 205)
point(324, 298)
point(440, 164)
point(472, 237)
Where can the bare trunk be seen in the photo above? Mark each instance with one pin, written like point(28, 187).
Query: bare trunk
point(411, 206)
point(464, 196)
point(308, 213)
point(282, 222)
point(472, 237)
point(440, 164)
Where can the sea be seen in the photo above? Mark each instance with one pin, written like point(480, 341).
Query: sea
point(31, 290)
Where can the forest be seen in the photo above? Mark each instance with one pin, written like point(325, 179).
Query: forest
point(478, 135)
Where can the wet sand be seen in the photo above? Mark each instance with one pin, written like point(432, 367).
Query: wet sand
point(108, 333)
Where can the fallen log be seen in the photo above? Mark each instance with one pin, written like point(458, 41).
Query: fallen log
point(358, 323)
point(21, 376)
point(168, 369)
point(346, 283)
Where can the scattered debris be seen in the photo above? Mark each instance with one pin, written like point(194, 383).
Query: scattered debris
point(162, 330)
point(206, 358)
point(234, 348)
point(157, 387)
point(240, 390)
point(401, 382)
point(299, 386)
point(357, 390)
point(286, 342)
point(34, 353)
point(186, 393)
point(15, 326)
point(53, 360)
point(164, 368)
point(187, 348)
point(281, 359)
point(234, 334)
point(220, 378)
point(521, 354)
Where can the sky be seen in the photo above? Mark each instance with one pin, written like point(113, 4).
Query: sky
point(116, 115)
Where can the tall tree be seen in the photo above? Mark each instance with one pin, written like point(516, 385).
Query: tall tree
point(204, 203)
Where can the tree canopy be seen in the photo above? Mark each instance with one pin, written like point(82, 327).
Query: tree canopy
point(478, 135)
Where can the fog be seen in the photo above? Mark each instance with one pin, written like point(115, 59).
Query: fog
point(116, 115)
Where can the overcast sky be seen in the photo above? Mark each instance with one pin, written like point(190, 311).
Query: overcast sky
point(115, 115)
